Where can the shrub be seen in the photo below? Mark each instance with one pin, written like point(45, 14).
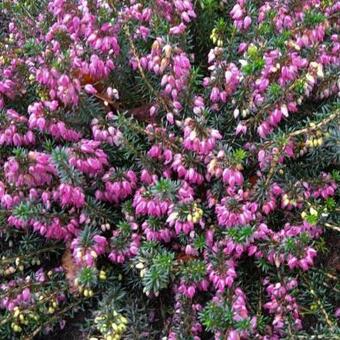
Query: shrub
point(169, 169)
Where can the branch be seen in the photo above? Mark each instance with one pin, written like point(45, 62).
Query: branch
point(306, 130)
point(141, 71)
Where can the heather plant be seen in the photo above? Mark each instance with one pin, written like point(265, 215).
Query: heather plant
point(169, 169)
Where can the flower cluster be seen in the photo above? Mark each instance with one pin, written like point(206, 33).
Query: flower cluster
point(87, 247)
point(281, 303)
point(117, 185)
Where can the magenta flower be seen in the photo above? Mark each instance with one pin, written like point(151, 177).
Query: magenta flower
point(69, 196)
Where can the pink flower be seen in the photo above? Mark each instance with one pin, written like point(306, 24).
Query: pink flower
point(237, 12)
point(90, 89)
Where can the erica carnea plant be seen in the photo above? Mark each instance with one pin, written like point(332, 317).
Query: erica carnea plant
point(169, 169)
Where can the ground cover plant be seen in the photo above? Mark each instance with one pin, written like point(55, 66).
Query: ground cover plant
point(169, 169)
